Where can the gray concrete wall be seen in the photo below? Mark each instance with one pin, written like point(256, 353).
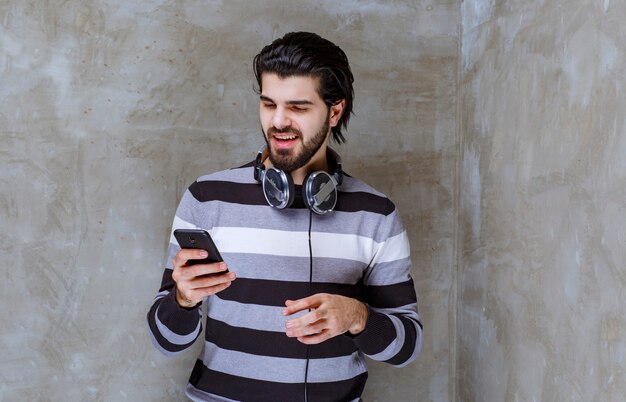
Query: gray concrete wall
point(543, 204)
point(109, 109)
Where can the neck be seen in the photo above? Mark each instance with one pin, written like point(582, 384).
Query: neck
point(318, 162)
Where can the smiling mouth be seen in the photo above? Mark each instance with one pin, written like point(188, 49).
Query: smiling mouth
point(285, 137)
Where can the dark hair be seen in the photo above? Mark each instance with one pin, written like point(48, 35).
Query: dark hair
point(308, 54)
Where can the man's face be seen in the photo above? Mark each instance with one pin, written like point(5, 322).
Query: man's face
point(295, 120)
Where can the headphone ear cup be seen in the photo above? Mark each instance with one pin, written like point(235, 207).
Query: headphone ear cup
point(319, 192)
point(278, 188)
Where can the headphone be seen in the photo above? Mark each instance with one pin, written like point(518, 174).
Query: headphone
point(319, 190)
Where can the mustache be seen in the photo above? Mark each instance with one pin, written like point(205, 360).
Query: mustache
point(274, 130)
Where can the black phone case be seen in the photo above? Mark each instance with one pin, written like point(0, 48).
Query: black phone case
point(198, 239)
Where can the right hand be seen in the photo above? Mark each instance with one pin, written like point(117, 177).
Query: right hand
point(193, 282)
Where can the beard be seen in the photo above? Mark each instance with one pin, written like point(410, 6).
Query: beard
point(288, 160)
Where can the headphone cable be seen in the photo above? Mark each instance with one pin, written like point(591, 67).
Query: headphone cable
point(308, 347)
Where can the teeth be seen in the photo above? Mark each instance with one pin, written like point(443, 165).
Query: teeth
point(285, 137)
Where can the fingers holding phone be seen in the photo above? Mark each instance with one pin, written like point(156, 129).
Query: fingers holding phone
point(198, 273)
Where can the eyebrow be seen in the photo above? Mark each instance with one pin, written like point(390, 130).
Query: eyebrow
point(290, 102)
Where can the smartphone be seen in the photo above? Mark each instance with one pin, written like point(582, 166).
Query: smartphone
point(198, 239)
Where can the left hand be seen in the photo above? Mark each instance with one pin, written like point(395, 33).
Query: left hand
point(332, 315)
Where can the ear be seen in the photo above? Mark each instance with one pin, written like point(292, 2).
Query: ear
point(336, 111)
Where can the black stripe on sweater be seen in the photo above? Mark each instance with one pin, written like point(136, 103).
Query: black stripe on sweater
point(390, 296)
point(246, 389)
point(366, 202)
point(264, 343)
point(252, 194)
point(167, 282)
point(227, 191)
point(274, 293)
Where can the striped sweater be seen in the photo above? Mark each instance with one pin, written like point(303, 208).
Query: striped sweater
point(359, 250)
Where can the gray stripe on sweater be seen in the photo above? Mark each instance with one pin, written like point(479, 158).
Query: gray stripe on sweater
point(262, 216)
point(278, 369)
point(253, 316)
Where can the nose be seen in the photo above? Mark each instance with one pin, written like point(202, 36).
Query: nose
point(280, 119)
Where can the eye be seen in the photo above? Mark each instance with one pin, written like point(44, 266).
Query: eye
point(268, 105)
point(298, 109)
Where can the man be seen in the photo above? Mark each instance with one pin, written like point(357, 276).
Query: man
point(317, 267)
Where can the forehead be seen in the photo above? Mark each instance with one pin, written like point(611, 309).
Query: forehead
point(292, 88)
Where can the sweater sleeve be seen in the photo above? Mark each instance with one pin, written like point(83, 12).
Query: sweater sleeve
point(393, 332)
point(171, 327)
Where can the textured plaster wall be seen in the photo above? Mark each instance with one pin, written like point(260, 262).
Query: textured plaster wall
point(109, 109)
point(542, 278)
